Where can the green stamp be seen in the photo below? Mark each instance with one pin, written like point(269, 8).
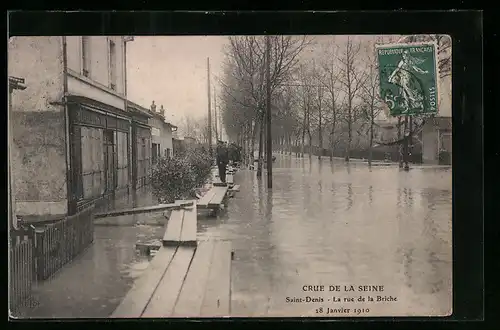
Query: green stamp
point(408, 78)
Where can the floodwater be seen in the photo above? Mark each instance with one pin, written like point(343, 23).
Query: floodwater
point(340, 225)
point(322, 224)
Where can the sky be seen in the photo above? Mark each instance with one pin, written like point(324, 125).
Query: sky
point(173, 71)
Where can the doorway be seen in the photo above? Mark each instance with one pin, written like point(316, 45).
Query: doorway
point(109, 161)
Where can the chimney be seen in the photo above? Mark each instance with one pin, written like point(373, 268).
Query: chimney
point(162, 111)
point(153, 106)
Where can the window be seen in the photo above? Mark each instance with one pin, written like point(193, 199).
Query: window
point(112, 65)
point(86, 56)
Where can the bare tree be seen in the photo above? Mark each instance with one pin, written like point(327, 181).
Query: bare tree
point(319, 113)
point(330, 80)
point(246, 86)
point(351, 79)
point(372, 104)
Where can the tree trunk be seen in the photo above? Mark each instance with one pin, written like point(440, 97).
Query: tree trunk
point(309, 135)
point(320, 140)
point(303, 141)
point(251, 154)
point(400, 153)
point(406, 139)
point(261, 140)
point(370, 152)
point(349, 139)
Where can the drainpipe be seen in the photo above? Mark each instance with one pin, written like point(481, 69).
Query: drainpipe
point(131, 139)
point(69, 139)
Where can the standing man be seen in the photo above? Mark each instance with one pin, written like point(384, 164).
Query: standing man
point(222, 160)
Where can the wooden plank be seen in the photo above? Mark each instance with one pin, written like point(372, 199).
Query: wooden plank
point(217, 299)
point(189, 226)
point(220, 193)
point(146, 209)
point(174, 227)
point(193, 290)
point(236, 187)
point(203, 202)
point(138, 297)
point(163, 301)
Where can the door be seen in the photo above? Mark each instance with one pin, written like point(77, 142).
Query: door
point(154, 149)
point(109, 161)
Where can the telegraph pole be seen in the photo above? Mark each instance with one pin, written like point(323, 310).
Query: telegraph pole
point(215, 115)
point(209, 110)
point(268, 113)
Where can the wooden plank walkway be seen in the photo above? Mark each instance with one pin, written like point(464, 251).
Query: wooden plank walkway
point(135, 302)
point(183, 282)
point(219, 194)
point(213, 198)
point(146, 209)
point(181, 227)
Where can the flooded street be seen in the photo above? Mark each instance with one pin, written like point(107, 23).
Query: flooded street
point(339, 225)
point(322, 224)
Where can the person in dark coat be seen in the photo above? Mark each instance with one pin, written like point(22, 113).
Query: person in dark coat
point(222, 160)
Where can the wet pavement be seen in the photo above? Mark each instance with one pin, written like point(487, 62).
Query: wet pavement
point(322, 224)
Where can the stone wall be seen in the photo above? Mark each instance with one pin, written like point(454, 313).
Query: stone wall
point(38, 147)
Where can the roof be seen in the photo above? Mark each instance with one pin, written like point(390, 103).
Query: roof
point(138, 109)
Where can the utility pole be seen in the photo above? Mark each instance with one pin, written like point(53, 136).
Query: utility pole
point(215, 115)
point(209, 110)
point(268, 112)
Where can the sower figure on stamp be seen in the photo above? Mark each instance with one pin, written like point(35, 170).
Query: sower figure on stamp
point(222, 160)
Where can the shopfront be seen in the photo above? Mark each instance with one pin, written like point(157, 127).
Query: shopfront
point(100, 157)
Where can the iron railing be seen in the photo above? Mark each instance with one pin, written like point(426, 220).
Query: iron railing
point(21, 272)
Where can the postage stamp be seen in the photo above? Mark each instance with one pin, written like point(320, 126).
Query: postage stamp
point(408, 78)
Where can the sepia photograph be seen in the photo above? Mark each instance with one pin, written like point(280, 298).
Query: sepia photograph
point(230, 176)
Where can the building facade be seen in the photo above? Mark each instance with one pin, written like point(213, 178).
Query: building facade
point(72, 142)
point(141, 145)
point(161, 134)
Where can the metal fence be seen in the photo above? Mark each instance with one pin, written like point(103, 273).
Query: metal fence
point(21, 272)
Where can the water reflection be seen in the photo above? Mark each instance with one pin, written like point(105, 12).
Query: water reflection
point(370, 194)
point(349, 196)
point(368, 226)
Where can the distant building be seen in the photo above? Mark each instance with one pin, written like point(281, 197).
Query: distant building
point(161, 132)
point(436, 133)
point(141, 144)
point(189, 141)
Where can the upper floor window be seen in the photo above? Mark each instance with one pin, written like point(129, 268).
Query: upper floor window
point(112, 65)
point(86, 56)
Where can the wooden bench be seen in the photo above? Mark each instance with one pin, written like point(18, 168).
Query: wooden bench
point(213, 198)
point(181, 227)
point(182, 282)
